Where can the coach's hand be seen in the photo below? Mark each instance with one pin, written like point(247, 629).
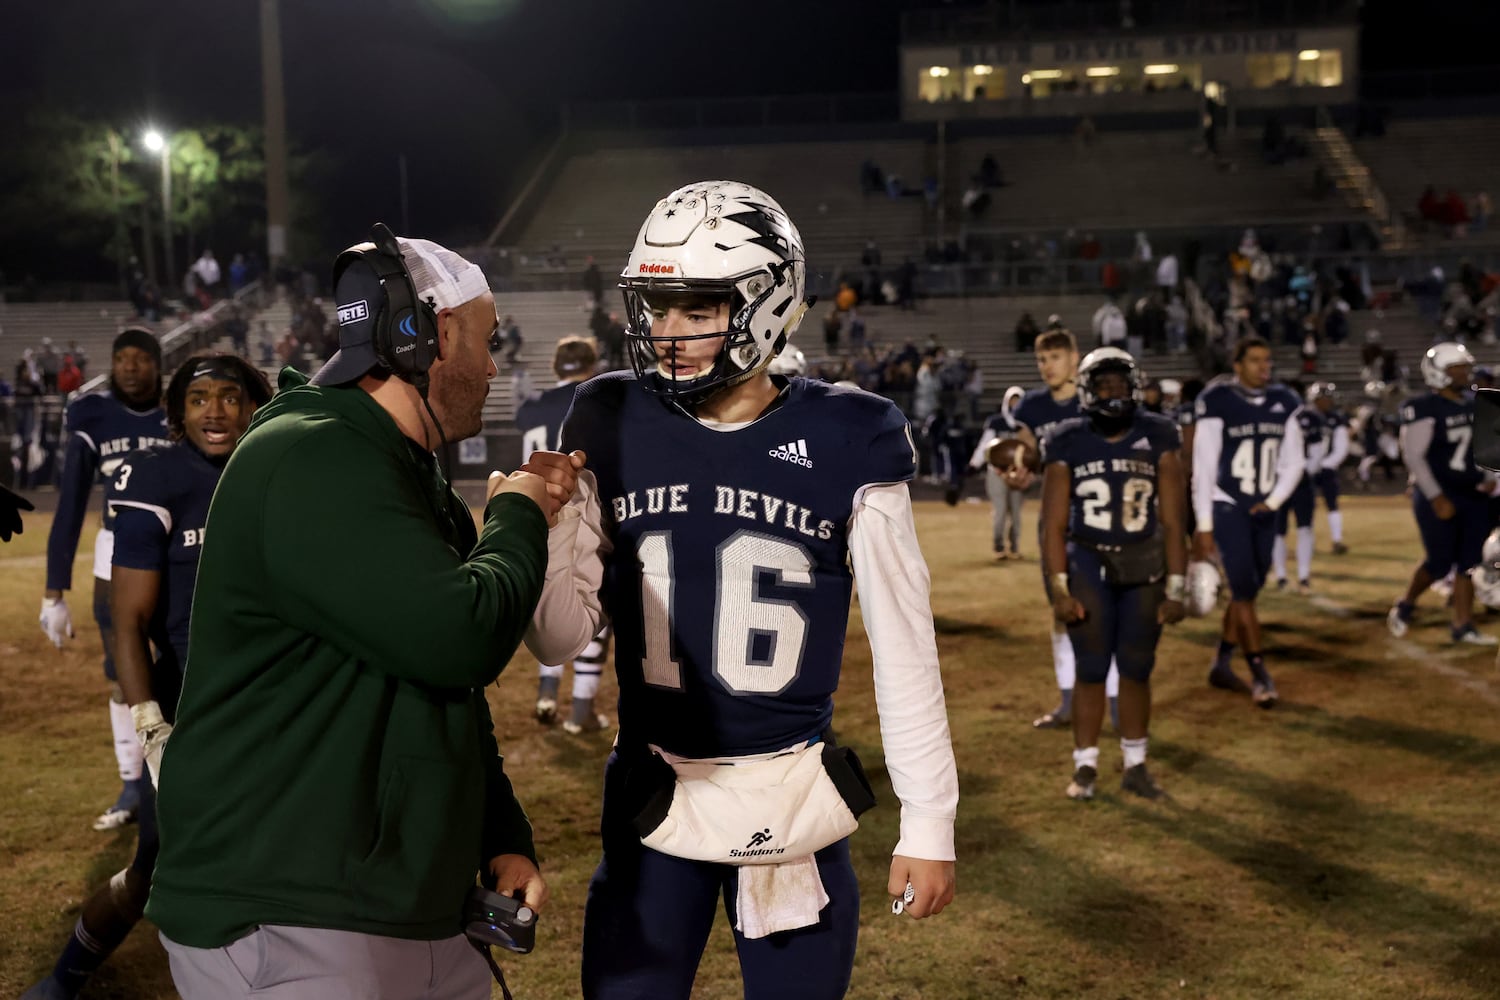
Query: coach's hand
point(933, 884)
point(1170, 613)
point(1204, 549)
point(1443, 507)
point(559, 471)
point(55, 619)
point(515, 872)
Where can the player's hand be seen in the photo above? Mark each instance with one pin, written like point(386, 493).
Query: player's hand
point(515, 872)
point(1443, 507)
point(1066, 609)
point(558, 470)
point(56, 621)
point(529, 485)
point(1170, 613)
point(1204, 549)
point(1019, 478)
point(1260, 510)
point(153, 742)
point(11, 505)
point(933, 884)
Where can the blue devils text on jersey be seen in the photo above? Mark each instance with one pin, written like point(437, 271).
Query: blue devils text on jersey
point(102, 430)
point(729, 583)
point(1449, 454)
point(1254, 424)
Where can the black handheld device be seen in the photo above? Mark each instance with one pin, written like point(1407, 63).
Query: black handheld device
point(490, 918)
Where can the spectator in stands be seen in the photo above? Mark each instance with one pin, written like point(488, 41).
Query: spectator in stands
point(894, 188)
point(871, 178)
point(1109, 325)
point(1456, 214)
point(906, 284)
point(237, 328)
point(28, 390)
point(593, 282)
point(206, 269)
point(855, 328)
point(239, 273)
point(975, 199)
point(267, 345)
point(832, 324)
point(1167, 275)
point(510, 335)
point(1336, 321)
point(1026, 333)
point(1177, 325)
point(1482, 209)
point(80, 357)
point(989, 172)
point(48, 364)
point(870, 256)
point(69, 376)
point(1392, 371)
point(1429, 208)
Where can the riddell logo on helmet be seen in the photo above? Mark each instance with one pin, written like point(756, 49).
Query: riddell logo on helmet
point(657, 269)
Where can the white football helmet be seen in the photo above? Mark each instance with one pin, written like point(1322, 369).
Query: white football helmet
point(791, 361)
point(1098, 362)
point(1320, 390)
point(716, 238)
point(1202, 595)
point(1486, 575)
point(1439, 358)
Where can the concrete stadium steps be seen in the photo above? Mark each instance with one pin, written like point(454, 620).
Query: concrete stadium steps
point(93, 325)
point(1458, 153)
point(1135, 179)
point(596, 205)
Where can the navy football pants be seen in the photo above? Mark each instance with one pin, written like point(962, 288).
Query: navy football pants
point(1119, 622)
point(1457, 543)
point(1244, 544)
point(649, 914)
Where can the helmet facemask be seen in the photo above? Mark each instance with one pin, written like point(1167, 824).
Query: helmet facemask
point(1109, 415)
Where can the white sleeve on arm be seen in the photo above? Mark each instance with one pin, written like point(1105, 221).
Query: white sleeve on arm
point(568, 614)
point(1339, 450)
point(979, 457)
point(1289, 464)
point(895, 601)
point(1416, 437)
point(1208, 441)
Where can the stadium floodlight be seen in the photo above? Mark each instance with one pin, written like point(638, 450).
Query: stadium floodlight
point(1161, 69)
point(983, 70)
point(1102, 71)
point(937, 71)
point(1046, 74)
point(1309, 55)
point(154, 141)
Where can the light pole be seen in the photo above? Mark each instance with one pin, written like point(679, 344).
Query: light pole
point(157, 143)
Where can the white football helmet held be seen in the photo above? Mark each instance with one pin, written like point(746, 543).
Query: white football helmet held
point(1486, 575)
point(716, 239)
point(1439, 358)
point(1202, 595)
point(791, 361)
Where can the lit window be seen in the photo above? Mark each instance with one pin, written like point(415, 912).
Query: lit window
point(938, 83)
point(1102, 71)
point(983, 83)
point(1046, 74)
point(1309, 55)
point(1326, 70)
point(1270, 69)
point(1161, 69)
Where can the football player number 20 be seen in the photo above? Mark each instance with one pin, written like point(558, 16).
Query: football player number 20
point(1135, 504)
point(1242, 466)
point(758, 640)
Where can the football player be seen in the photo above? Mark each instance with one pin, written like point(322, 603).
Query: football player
point(11, 506)
point(540, 420)
point(1247, 460)
point(103, 429)
point(718, 520)
point(1005, 521)
point(1039, 411)
point(1451, 499)
point(1115, 547)
point(1315, 433)
point(159, 500)
point(1334, 449)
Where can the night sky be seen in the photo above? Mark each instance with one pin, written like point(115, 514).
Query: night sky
point(466, 88)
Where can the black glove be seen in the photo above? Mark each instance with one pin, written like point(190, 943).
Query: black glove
point(11, 505)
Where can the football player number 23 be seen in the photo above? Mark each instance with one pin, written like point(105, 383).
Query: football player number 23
point(1242, 466)
point(758, 640)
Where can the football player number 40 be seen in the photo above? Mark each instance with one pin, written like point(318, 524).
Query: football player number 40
point(1243, 466)
point(758, 640)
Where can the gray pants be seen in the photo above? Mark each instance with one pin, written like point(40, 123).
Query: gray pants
point(309, 963)
point(1007, 506)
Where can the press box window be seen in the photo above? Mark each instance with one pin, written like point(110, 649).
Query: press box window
point(983, 83)
point(1319, 68)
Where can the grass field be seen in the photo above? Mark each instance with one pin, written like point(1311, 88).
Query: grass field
point(1341, 846)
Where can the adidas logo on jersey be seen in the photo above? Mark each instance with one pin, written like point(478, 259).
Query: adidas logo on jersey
point(794, 452)
point(1141, 445)
point(1277, 408)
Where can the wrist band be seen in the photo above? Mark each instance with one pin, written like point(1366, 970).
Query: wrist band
point(1176, 586)
point(1059, 584)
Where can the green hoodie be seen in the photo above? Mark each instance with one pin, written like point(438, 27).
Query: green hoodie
point(333, 763)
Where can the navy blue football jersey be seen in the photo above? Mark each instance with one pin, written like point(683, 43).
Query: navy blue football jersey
point(1254, 424)
point(540, 420)
point(1449, 455)
point(1183, 414)
point(160, 499)
point(729, 582)
point(101, 432)
point(1115, 483)
point(1040, 413)
point(1316, 434)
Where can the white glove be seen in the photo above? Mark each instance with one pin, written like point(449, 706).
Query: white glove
point(152, 730)
point(55, 620)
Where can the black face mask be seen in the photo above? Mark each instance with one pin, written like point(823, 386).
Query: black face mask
point(1111, 416)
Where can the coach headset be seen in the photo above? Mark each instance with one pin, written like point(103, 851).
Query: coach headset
point(405, 331)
